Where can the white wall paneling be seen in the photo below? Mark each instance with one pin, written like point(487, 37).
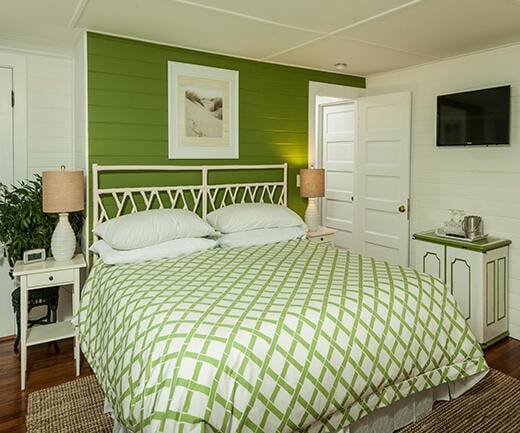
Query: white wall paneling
point(50, 112)
point(14, 160)
point(43, 124)
point(481, 180)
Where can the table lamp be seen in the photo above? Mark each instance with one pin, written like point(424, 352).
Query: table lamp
point(63, 192)
point(312, 185)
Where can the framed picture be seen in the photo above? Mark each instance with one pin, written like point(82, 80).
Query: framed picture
point(202, 112)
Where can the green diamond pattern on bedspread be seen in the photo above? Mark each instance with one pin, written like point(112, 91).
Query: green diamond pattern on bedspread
point(277, 338)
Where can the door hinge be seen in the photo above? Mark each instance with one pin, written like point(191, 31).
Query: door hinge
point(12, 98)
point(408, 209)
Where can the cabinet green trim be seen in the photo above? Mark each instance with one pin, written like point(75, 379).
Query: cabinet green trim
point(494, 340)
point(504, 274)
point(431, 253)
point(490, 243)
point(469, 281)
point(494, 291)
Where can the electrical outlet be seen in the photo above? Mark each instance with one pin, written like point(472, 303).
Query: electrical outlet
point(298, 180)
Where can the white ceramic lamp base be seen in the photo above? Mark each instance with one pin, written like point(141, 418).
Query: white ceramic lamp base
point(63, 242)
point(312, 217)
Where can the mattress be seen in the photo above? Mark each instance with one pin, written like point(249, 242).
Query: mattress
point(292, 336)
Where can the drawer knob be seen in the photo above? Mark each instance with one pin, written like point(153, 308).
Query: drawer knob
point(321, 239)
point(51, 278)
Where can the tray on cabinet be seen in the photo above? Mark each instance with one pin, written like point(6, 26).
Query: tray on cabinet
point(459, 237)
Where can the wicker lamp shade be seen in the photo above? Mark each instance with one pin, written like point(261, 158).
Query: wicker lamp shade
point(312, 182)
point(63, 191)
point(312, 185)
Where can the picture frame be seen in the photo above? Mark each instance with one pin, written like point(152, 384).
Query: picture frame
point(202, 112)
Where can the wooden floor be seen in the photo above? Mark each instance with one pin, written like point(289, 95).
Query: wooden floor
point(46, 368)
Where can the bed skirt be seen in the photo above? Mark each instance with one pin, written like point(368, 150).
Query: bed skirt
point(393, 417)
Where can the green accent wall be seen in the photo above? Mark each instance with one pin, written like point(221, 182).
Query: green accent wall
point(128, 106)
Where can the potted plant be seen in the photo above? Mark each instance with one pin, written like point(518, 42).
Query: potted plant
point(24, 226)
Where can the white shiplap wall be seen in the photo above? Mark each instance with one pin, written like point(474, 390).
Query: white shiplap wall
point(481, 180)
point(49, 102)
point(50, 127)
point(50, 113)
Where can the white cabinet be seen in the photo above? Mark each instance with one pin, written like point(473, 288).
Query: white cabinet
point(476, 274)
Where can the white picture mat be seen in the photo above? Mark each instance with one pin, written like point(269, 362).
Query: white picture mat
point(222, 144)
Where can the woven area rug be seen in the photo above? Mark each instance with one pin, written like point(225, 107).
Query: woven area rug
point(74, 407)
point(492, 406)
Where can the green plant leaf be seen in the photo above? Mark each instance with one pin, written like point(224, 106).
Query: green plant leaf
point(23, 225)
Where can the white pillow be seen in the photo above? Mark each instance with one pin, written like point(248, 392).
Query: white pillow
point(261, 237)
point(142, 229)
point(168, 249)
point(253, 216)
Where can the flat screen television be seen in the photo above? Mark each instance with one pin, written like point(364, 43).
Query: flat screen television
point(478, 117)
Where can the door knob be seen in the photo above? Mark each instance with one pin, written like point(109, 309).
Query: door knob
point(402, 208)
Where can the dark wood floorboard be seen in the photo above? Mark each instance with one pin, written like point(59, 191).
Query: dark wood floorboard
point(46, 368)
point(505, 356)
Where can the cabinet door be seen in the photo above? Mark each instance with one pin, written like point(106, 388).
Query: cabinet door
point(429, 258)
point(464, 278)
point(495, 293)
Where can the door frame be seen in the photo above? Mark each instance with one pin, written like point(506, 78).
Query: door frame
point(18, 64)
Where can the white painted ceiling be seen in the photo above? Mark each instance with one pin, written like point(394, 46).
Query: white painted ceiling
point(370, 36)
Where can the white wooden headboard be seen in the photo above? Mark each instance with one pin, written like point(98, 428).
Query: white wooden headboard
point(201, 197)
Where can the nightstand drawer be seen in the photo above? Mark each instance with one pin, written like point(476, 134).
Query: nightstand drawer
point(51, 278)
point(323, 239)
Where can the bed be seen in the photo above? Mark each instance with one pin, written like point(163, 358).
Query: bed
point(280, 337)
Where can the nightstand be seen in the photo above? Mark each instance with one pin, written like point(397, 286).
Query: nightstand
point(47, 274)
point(324, 235)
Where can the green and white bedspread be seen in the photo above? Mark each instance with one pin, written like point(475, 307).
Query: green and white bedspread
point(282, 337)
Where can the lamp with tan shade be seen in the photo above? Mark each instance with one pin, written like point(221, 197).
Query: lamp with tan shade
point(312, 185)
point(63, 192)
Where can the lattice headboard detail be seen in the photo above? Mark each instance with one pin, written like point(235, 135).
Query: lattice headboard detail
point(201, 197)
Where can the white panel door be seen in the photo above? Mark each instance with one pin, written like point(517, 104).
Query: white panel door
point(6, 177)
point(383, 164)
point(338, 156)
